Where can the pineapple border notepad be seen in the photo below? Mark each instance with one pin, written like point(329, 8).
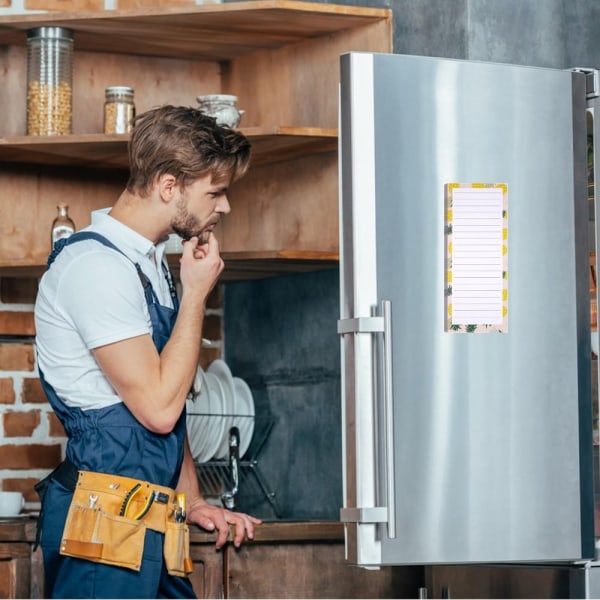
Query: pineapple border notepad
point(476, 235)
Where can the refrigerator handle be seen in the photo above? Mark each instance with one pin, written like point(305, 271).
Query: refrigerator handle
point(382, 324)
point(388, 400)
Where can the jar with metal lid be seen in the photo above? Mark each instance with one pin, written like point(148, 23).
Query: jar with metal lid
point(49, 81)
point(119, 109)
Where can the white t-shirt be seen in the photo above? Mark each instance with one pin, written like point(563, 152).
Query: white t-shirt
point(92, 296)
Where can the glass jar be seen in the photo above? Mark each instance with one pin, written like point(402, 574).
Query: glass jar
point(49, 81)
point(222, 107)
point(119, 109)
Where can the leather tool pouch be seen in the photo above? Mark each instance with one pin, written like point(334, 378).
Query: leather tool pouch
point(177, 549)
point(94, 529)
point(92, 534)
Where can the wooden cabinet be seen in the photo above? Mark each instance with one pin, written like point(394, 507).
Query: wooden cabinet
point(301, 560)
point(15, 569)
point(285, 560)
point(208, 574)
point(21, 569)
point(281, 58)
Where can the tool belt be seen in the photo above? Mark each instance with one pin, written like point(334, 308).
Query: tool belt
point(108, 518)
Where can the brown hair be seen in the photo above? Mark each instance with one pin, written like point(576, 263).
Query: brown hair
point(183, 142)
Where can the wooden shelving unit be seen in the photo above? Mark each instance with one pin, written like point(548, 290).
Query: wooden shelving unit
point(220, 32)
point(280, 57)
point(100, 151)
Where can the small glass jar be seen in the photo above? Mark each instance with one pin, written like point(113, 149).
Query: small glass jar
point(222, 107)
point(119, 109)
point(49, 81)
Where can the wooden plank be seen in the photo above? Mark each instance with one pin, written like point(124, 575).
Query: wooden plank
point(298, 84)
point(312, 570)
point(97, 150)
point(282, 531)
point(299, 531)
point(287, 205)
point(251, 265)
point(93, 150)
point(11, 550)
point(26, 220)
point(212, 32)
point(207, 578)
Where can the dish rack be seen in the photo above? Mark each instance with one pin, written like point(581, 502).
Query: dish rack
point(220, 480)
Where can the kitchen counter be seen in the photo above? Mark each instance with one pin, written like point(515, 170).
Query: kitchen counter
point(22, 529)
point(287, 559)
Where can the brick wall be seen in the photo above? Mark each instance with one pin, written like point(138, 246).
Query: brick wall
point(32, 440)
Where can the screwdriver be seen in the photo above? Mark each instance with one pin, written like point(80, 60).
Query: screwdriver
point(180, 513)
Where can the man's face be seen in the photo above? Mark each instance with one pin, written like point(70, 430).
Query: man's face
point(199, 208)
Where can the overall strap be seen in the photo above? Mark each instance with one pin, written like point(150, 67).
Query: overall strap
point(92, 235)
point(78, 237)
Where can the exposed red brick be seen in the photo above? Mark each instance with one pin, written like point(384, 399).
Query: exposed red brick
point(5, 3)
point(7, 391)
point(18, 290)
point(211, 327)
point(13, 322)
point(16, 357)
point(23, 485)
point(55, 426)
point(32, 392)
point(20, 423)
point(215, 300)
point(207, 355)
point(29, 456)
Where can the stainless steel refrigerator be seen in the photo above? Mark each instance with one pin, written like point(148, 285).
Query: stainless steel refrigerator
point(465, 234)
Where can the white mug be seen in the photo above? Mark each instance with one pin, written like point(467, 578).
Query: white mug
point(11, 503)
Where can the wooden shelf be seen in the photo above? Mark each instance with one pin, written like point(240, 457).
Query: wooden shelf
point(207, 32)
point(238, 265)
point(97, 150)
point(257, 265)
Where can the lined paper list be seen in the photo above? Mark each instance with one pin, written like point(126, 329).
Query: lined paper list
point(476, 257)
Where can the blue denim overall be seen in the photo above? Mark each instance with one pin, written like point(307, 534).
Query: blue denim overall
point(111, 440)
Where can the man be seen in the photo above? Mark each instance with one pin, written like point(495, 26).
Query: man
point(117, 355)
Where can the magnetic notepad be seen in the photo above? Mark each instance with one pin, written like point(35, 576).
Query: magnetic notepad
point(476, 287)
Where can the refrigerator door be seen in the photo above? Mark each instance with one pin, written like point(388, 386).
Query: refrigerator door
point(463, 447)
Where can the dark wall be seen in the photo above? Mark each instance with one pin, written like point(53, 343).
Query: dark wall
point(280, 336)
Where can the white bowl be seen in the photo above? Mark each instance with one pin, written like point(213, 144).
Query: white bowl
point(222, 107)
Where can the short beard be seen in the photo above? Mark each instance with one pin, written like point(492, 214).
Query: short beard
point(185, 234)
point(185, 226)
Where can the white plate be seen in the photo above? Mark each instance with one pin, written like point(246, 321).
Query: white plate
point(215, 421)
point(197, 427)
point(244, 406)
point(220, 369)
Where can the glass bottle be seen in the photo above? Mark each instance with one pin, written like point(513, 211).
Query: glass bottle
point(49, 81)
point(62, 226)
point(119, 109)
